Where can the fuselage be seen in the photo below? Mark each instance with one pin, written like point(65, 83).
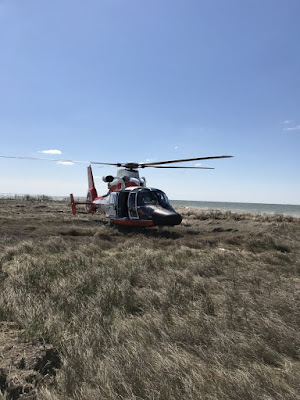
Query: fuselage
point(138, 206)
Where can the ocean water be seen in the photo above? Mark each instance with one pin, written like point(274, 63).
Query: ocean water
point(253, 208)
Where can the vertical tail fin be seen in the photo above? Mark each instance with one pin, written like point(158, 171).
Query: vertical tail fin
point(91, 195)
point(92, 192)
point(90, 178)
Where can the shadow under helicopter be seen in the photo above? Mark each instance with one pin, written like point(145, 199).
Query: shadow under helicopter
point(148, 232)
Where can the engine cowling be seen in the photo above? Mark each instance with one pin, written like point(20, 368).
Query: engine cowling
point(108, 178)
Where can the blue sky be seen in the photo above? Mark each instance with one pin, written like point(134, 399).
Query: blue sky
point(134, 80)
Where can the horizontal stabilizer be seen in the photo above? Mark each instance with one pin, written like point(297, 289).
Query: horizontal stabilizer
point(75, 203)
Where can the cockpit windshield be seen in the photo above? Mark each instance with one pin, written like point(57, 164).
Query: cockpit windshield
point(146, 197)
point(162, 198)
point(153, 197)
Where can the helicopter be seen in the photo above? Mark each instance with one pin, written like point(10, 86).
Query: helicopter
point(129, 202)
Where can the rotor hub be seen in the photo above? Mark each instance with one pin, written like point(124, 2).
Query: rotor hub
point(131, 165)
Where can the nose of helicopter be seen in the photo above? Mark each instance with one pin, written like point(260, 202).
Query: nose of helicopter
point(166, 217)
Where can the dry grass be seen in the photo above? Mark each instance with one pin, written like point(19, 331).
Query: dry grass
point(207, 310)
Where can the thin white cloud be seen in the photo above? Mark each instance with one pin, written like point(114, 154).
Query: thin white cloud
point(176, 147)
point(288, 121)
point(50, 151)
point(292, 128)
point(65, 162)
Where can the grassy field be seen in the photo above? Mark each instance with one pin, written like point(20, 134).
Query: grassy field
point(207, 310)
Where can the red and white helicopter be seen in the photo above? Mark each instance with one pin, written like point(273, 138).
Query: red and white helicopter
point(129, 201)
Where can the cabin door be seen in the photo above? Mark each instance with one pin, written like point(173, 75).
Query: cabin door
point(132, 206)
point(112, 205)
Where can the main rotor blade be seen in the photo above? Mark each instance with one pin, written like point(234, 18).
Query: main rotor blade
point(58, 159)
point(104, 163)
point(154, 166)
point(182, 160)
point(46, 159)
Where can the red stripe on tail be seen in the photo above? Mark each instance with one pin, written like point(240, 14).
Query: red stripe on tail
point(92, 190)
point(90, 178)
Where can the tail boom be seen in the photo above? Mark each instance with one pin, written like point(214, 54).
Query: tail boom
point(91, 195)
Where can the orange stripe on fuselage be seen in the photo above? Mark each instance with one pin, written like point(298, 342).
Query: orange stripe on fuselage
point(119, 186)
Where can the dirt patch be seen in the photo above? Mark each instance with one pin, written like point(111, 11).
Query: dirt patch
point(24, 365)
